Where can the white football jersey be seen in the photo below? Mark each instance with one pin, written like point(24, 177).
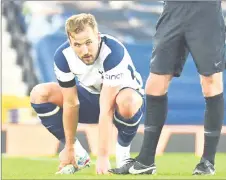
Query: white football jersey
point(113, 67)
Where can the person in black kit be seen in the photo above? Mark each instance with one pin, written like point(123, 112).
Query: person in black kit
point(197, 27)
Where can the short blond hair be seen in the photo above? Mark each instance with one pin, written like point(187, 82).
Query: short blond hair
point(77, 23)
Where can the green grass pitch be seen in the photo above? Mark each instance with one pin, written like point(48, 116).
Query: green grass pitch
point(169, 166)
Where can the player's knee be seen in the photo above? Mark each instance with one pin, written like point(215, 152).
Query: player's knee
point(212, 85)
point(157, 85)
point(128, 103)
point(39, 94)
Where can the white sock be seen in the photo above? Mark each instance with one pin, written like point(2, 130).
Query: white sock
point(79, 150)
point(121, 154)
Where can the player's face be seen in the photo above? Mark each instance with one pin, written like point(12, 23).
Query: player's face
point(86, 45)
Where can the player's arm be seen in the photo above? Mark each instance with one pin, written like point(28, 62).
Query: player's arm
point(70, 114)
point(113, 78)
point(66, 80)
point(107, 106)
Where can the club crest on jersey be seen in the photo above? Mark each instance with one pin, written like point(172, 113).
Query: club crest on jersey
point(114, 76)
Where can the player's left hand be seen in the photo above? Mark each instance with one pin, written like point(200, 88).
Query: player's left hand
point(102, 165)
point(67, 157)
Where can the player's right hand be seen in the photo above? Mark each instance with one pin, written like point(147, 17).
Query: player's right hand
point(102, 165)
point(67, 157)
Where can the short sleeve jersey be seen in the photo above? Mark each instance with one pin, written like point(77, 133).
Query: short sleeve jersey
point(113, 67)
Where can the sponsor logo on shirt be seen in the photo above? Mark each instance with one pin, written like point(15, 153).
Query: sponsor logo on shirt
point(114, 76)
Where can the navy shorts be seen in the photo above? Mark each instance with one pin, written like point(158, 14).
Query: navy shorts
point(89, 106)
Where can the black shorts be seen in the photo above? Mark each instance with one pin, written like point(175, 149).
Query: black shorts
point(195, 27)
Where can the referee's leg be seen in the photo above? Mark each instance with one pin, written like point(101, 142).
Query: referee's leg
point(212, 88)
point(205, 37)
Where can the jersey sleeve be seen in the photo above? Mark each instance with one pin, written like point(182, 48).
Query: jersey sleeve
point(114, 66)
point(62, 71)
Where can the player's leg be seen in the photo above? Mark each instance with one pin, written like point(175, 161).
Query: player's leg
point(128, 114)
point(206, 44)
point(212, 87)
point(168, 58)
point(47, 101)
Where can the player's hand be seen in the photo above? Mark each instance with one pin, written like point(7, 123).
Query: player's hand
point(67, 156)
point(103, 165)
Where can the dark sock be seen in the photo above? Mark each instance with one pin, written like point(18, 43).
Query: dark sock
point(214, 116)
point(51, 117)
point(127, 128)
point(156, 112)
